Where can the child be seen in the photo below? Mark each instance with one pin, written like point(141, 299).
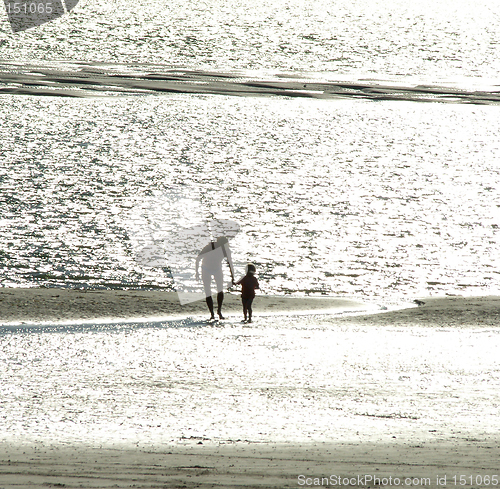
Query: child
point(248, 285)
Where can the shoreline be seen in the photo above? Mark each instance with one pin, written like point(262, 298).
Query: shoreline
point(52, 305)
point(450, 311)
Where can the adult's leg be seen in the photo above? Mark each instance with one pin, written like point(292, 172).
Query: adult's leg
point(219, 280)
point(206, 276)
point(210, 304)
point(220, 300)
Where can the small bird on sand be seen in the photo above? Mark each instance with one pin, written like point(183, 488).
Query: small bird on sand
point(419, 303)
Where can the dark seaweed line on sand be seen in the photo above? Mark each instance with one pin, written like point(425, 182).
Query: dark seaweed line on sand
point(47, 82)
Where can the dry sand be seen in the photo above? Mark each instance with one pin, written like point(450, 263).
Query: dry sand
point(231, 465)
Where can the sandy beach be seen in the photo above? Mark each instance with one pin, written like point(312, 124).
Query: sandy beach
point(34, 305)
point(348, 149)
point(190, 463)
point(253, 466)
point(451, 311)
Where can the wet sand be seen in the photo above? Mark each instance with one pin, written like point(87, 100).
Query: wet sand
point(451, 311)
point(105, 79)
point(36, 305)
point(248, 465)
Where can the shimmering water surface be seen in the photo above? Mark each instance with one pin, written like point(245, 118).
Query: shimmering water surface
point(378, 200)
point(292, 379)
point(432, 41)
point(382, 201)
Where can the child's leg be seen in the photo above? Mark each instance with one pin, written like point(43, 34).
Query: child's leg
point(244, 303)
point(249, 309)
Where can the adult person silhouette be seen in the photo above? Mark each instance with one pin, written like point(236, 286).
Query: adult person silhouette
point(211, 257)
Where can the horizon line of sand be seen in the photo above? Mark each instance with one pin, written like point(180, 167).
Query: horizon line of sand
point(88, 81)
point(45, 305)
point(42, 305)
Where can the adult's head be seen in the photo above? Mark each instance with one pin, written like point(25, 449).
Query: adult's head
point(221, 240)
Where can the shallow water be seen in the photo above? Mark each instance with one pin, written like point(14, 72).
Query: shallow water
point(281, 380)
point(369, 200)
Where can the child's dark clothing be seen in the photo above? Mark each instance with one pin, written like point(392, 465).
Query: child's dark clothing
point(248, 285)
